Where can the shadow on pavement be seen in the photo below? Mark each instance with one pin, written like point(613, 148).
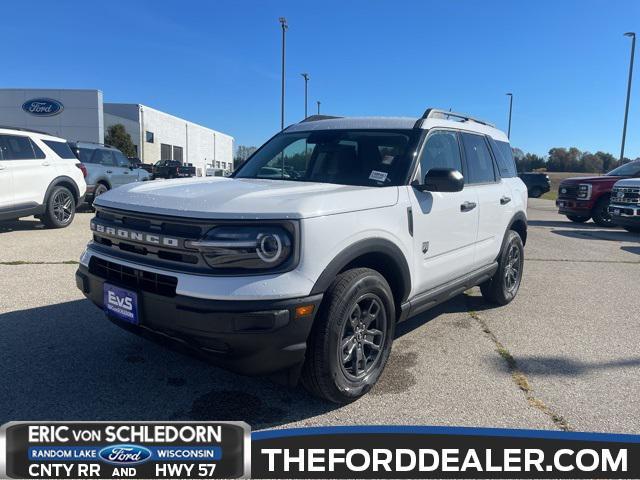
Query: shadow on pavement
point(563, 366)
point(562, 224)
point(66, 361)
point(20, 225)
point(635, 250)
point(610, 235)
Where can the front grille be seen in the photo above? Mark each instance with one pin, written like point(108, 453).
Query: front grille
point(629, 195)
point(568, 191)
point(133, 278)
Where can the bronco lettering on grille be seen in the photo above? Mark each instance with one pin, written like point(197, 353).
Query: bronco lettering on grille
point(142, 237)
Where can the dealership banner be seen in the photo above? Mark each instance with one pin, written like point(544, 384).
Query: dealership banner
point(187, 450)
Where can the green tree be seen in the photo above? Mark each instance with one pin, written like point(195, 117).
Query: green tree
point(118, 137)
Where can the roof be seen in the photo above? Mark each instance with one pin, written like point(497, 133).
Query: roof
point(399, 123)
point(24, 131)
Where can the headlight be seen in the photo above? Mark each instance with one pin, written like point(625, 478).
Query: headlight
point(245, 247)
point(584, 191)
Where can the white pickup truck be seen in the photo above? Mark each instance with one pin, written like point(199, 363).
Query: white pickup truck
point(303, 262)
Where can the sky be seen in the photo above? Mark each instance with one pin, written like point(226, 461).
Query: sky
point(217, 62)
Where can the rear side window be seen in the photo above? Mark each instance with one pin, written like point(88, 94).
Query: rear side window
point(85, 155)
point(18, 147)
point(479, 162)
point(61, 148)
point(504, 158)
point(103, 157)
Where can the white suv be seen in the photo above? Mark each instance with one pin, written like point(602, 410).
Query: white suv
point(305, 260)
point(39, 175)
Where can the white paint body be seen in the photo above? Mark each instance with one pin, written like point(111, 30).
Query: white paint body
point(332, 218)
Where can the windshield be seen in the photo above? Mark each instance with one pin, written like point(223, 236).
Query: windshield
point(346, 157)
point(630, 169)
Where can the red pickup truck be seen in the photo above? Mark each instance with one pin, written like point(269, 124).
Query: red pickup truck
point(582, 198)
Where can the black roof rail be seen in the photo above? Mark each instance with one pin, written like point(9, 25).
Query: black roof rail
point(93, 143)
point(23, 129)
point(313, 118)
point(438, 113)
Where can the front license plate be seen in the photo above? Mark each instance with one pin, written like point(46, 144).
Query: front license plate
point(121, 303)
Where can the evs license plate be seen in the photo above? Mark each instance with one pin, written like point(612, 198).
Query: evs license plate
point(121, 303)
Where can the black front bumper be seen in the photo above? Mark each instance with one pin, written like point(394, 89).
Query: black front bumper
point(247, 337)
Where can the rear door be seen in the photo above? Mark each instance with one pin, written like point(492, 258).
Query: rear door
point(495, 205)
point(445, 223)
point(31, 170)
point(123, 168)
point(105, 166)
point(6, 183)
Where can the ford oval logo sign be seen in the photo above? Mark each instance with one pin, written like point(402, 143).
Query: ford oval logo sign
point(42, 107)
point(124, 454)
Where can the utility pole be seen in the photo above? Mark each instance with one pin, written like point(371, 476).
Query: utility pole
point(510, 95)
point(318, 102)
point(306, 81)
point(626, 109)
point(283, 24)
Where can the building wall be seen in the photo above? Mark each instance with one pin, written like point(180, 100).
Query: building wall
point(80, 119)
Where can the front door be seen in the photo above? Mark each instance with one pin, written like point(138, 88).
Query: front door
point(445, 223)
point(6, 183)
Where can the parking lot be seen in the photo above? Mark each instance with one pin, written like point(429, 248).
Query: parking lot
point(563, 355)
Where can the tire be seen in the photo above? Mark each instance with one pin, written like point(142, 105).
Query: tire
point(577, 219)
point(60, 208)
point(535, 192)
point(334, 369)
point(504, 285)
point(632, 229)
point(600, 213)
point(100, 189)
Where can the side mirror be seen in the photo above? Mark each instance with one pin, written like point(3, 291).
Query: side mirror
point(442, 180)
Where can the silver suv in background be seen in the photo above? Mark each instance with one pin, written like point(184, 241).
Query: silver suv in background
point(107, 168)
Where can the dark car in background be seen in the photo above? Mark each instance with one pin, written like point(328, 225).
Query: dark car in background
point(173, 169)
point(137, 163)
point(537, 183)
point(582, 198)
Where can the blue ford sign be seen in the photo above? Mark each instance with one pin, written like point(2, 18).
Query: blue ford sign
point(124, 454)
point(42, 107)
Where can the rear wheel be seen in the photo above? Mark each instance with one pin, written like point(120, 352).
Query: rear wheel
point(535, 192)
point(632, 229)
point(351, 339)
point(577, 219)
point(505, 283)
point(600, 213)
point(60, 208)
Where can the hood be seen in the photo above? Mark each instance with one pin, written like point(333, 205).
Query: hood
point(592, 179)
point(245, 198)
point(628, 182)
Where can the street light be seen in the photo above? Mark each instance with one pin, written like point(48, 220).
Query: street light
point(626, 109)
point(318, 102)
point(306, 81)
point(283, 24)
point(510, 95)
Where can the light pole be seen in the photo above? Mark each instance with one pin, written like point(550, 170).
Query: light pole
point(510, 95)
point(318, 102)
point(283, 23)
point(306, 81)
point(626, 109)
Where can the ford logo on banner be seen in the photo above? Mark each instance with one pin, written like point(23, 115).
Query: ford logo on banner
point(125, 454)
point(42, 107)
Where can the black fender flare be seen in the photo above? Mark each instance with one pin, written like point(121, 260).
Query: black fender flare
point(379, 246)
point(62, 179)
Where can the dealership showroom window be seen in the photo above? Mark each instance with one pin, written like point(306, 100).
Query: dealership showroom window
point(333, 240)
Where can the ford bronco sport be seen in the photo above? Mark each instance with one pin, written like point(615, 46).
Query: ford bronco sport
point(369, 221)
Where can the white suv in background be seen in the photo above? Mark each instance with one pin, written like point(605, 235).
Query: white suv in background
point(39, 175)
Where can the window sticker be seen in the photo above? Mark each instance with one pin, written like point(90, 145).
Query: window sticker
point(378, 176)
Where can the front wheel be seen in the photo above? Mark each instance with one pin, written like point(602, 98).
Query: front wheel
point(535, 192)
point(60, 208)
point(505, 283)
point(600, 213)
point(351, 339)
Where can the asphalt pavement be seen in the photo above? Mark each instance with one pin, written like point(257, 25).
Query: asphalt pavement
point(563, 355)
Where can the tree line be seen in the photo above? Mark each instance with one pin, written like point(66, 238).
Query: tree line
point(571, 159)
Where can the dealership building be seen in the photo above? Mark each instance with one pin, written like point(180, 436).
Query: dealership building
point(82, 115)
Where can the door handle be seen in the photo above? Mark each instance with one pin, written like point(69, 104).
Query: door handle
point(109, 171)
point(504, 200)
point(45, 164)
point(126, 172)
point(2, 167)
point(467, 206)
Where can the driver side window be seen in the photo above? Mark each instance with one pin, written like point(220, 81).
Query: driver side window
point(441, 150)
